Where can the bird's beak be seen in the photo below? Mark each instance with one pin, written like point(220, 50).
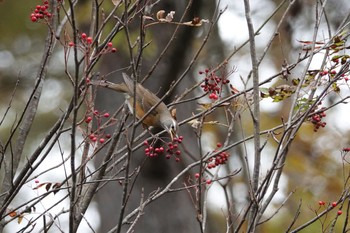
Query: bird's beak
point(173, 134)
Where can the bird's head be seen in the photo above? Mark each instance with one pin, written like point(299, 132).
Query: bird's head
point(171, 126)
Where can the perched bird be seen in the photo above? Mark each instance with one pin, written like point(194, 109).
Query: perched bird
point(145, 100)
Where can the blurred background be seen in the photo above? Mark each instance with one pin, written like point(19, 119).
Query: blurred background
point(314, 168)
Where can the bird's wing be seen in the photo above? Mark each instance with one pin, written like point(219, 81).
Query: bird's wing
point(144, 96)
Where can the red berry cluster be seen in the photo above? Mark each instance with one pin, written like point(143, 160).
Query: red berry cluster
point(333, 204)
point(208, 181)
point(88, 40)
point(111, 48)
point(321, 203)
point(213, 84)
point(40, 12)
point(150, 151)
point(171, 150)
point(316, 119)
point(99, 135)
point(218, 159)
point(326, 72)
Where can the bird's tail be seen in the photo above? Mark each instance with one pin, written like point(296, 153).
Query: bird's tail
point(113, 86)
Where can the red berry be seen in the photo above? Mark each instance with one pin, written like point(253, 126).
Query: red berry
point(36, 181)
point(177, 160)
point(208, 181)
point(38, 7)
point(83, 35)
point(334, 204)
point(71, 44)
point(213, 96)
point(108, 136)
point(114, 50)
point(321, 203)
point(219, 145)
point(102, 140)
point(89, 40)
point(196, 175)
point(42, 8)
point(339, 212)
point(106, 115)
point(178, 152)
point(145, 143)
point(96, 112)
point(109, 44)
point(33, 19)
point(88, 119)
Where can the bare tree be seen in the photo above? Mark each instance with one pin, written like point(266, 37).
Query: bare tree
point(144, 176)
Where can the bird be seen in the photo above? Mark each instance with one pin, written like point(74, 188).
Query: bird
point(144, 99)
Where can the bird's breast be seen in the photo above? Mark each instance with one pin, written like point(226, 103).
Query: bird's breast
point(152, 119)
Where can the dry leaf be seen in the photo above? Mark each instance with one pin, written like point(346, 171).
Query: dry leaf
point(116, 2)
point(196, 22)
point(170, 16)
point(205, 106)
point(194, 123)
point(160, 14)
point(146, 17)
point(48, 186)
point(12, 214)
point(20, 218)
point(173, 113)
point(233, 90)
point(39, 186)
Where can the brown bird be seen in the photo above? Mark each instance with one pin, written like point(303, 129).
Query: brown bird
point(145, 100)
